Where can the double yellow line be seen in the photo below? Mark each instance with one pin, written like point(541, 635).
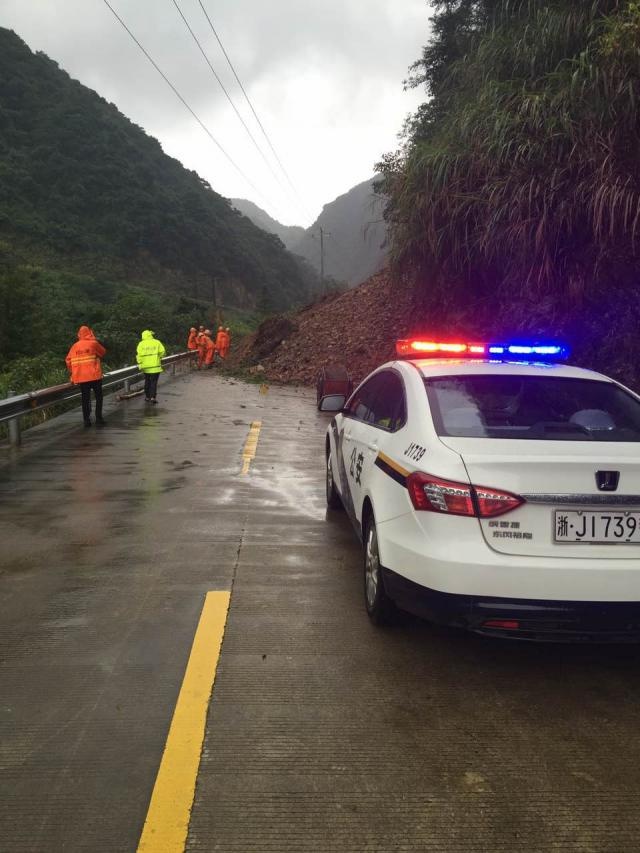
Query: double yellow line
point(250, 447)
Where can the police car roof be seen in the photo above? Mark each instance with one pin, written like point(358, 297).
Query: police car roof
point(461, 366)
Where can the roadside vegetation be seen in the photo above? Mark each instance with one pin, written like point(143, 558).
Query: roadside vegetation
point(514, 199)
point(41, 310)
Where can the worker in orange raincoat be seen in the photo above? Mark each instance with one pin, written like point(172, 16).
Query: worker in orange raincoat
point(219, 339)
point(226, 343)
point(85, 369)
point(209, 350)
point(201, 346)
point(191, 342)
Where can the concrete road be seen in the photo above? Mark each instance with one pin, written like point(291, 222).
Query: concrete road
point(323, 732)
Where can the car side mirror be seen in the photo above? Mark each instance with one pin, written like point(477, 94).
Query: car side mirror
point(332, 403)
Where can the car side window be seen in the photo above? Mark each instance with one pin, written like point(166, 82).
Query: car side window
point(360, 406)
point(380, 401)
point(389, 408)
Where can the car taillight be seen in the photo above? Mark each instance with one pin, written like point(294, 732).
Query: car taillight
point(433, 494)
point(493, 502)
point(436, 495)
point(505, 624)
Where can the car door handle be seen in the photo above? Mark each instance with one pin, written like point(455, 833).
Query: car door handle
point(373, 446)
point(347, 436)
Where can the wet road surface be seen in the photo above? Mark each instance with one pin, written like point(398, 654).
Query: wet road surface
point(324, 733)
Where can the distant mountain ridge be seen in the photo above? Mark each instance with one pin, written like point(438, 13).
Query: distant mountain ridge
point(355, 234)
point(289, 234)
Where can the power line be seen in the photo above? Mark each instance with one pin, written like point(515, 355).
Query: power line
point(255, 114)
point(179, 96)
point(228, 96)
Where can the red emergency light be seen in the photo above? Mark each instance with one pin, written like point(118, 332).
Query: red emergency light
point(418, 347)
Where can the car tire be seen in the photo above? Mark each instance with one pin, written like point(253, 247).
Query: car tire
point(380, 607)
point(334, 501)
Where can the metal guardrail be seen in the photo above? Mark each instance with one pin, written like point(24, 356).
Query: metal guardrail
point(15, 407)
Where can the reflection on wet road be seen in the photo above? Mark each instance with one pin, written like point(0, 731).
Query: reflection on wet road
point(324, 733)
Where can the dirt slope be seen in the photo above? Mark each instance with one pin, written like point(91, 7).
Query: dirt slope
point(357, 328)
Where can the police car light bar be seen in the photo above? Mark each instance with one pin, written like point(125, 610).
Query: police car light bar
point(419, 348)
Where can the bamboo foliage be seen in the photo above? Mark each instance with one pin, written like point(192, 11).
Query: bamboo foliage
point(523, 169)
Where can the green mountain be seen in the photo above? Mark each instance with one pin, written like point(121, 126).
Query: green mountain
point(87, 195)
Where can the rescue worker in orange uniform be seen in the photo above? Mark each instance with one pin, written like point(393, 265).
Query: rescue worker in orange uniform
point(209, 350)
point(85, 369)
point(191, 342)
point(226, 343)
point(201, 346)
point(219, 339)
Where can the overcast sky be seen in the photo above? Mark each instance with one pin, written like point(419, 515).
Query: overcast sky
point(325, 78)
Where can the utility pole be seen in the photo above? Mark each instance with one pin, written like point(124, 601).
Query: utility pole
point(323, 234)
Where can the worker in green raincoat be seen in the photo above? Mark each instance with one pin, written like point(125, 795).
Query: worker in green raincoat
point(149, 356)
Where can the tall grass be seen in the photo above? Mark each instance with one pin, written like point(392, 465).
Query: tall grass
point(522, 174)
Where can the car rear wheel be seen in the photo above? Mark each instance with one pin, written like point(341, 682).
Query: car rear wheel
point(379, 606)
point(334, 500)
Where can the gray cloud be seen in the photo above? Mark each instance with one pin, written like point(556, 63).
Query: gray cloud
point(326, 79)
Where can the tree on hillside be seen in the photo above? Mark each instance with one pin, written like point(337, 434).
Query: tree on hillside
point(81, 187)
point(521, 171)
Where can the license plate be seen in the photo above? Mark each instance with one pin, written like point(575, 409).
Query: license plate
point(586, 526)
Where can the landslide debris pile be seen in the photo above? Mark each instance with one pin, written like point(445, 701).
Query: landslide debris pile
point(357, 328)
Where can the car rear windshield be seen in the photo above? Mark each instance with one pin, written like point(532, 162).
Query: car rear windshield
point(535, 407)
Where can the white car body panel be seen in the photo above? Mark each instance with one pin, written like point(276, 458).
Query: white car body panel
point(462, 555)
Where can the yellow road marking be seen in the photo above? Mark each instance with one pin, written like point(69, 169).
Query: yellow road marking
point(250, 446)
point(167, 823)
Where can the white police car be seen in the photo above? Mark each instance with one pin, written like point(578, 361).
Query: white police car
point(493, 488)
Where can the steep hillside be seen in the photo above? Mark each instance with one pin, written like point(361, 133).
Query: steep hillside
point(83, 188)
point(518, 175)
point(289, 234)
point(354, 236)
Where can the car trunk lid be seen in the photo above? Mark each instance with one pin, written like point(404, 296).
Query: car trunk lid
point(557, 479)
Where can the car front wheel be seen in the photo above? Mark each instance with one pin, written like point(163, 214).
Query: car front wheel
point(379, 606)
